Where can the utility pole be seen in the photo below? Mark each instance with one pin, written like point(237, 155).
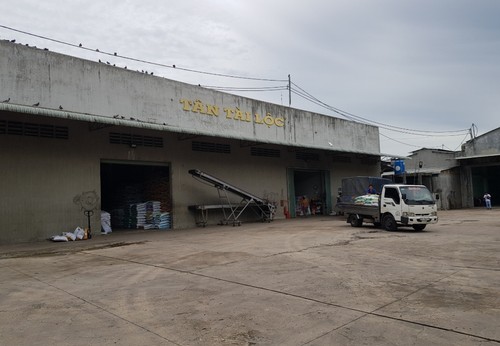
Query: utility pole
point(289, 91)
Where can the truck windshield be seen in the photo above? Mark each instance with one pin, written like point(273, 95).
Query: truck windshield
point(417, 195)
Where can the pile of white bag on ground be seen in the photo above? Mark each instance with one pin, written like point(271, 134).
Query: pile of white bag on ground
point(78, 234)
point(366, 200)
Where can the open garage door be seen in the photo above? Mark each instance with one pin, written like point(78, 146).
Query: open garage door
point(137, 195)
point(312, 186)
point(485, 179)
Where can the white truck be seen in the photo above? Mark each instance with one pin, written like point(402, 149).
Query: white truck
point(398, 205)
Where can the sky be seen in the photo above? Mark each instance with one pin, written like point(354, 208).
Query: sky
point(425, 72)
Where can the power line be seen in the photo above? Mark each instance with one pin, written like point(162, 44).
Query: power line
point(274, 88)
point(351, 116)
point(297, 91)
point(395, 140)
point(463, 141)
point(80, 46)
point(385, 127)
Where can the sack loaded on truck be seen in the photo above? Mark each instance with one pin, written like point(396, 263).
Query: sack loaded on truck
point(393, 206)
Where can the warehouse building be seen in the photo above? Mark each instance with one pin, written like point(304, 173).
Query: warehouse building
point(81, 136)
point(480, 169)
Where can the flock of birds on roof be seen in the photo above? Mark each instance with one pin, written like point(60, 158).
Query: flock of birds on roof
point(97, 50)
point(117, 116)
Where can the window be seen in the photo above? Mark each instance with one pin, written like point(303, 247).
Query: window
point(392, 192)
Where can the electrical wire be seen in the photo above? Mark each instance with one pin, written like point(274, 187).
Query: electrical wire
point(395, 140)
point(80, 46)
point(354, 117)
point(302, 93)
point(297, 91)
point(463, 141)
point(275, 88)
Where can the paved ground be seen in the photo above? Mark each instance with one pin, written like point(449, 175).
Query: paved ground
point(314, 281)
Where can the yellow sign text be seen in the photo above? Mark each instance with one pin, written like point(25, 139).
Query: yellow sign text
point(199, 107)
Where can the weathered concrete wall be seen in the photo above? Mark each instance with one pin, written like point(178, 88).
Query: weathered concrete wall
point(467, 187)
point(431, 159)
point(31, 76)
point(39, 180)
point(486, 144)
point(42, 176)
point(448, 186)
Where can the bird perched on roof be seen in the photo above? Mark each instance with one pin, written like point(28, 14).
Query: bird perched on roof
point(6, 101)
point(60, 107)
point(13, 41)
point(80, 45)
point(116, 116)
point(132, 118)
point(173, 66)
point(36, 104)
point(115, 54)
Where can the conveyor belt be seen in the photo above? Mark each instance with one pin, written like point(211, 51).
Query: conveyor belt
point(267, 209)
point(225, 186)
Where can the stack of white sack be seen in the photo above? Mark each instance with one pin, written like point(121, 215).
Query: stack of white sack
point(78, 234)
point(367, 200)
point(105, 222)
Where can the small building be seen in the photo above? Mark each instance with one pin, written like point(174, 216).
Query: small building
point(438, 170)
point(80, 136)
point(480, 169)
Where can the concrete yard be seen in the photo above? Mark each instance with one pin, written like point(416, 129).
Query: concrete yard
point(311, 281)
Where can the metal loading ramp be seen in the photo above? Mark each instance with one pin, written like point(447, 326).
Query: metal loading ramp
point(231, 211)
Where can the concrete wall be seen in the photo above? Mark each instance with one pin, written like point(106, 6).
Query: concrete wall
point(486, 144)
point(431, 159)
point(39, 180)
point(30, 76)
point(44, 175)
point(448, 186)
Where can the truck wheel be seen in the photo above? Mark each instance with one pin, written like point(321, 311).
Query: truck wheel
point(355, 222)
point(419, 227)
point(389, 223)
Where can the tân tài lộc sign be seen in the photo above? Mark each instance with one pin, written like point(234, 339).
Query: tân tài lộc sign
point(199, 107)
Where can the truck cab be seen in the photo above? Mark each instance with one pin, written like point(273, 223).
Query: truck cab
point(406, 205)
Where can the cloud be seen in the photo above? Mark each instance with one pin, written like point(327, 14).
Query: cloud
point(418, 64)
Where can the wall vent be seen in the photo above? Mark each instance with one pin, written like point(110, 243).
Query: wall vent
point(341, 158)
point(18, 128)
point(138, 140)
point(301, 155)
point(210, 147)
point(257, 151)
